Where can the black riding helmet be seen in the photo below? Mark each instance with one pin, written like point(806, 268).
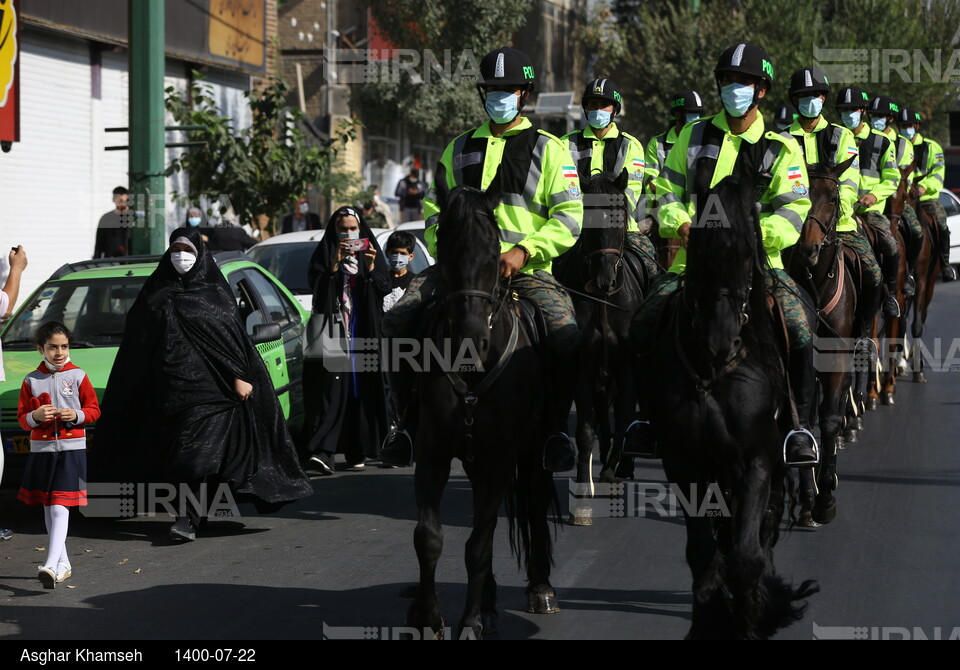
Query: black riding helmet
point(808, 81)
point(685, 102)
point(603, 89)
point(786, 114)
point(883, 105)
point(748, 59)
point(852, 97)
point(506, 66)
point(908, 116)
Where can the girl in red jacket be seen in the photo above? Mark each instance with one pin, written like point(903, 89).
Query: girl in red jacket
point(56, 401)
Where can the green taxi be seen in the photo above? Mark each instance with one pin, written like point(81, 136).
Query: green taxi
point(92, 299)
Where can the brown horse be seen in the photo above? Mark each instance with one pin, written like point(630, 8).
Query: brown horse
point(817, 264)
point(892, 327)
point(927, 269)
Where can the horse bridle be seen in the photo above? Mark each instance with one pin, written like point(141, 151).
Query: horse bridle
point(737, 353)
point(600, 252)
point(489, 296)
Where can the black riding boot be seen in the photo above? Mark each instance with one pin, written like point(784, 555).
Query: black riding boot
point(800, 445)
point(890, 270)
point(947, 272)
point(559, 452)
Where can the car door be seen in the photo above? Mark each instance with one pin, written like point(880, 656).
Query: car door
point(951, 205)
point(259, 304)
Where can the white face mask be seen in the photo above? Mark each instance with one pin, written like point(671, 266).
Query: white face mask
point(304, 207)
point(182, 261)
point(53, 367)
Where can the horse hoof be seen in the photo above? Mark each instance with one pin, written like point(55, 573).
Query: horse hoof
point(542, 603)
point(581, 517)
point(850, 435)
point(873, 404)
point(490, 622)
point(824, 513)
point(858, 423)
point(887, 398)
point(919, 378)
point(806, 520)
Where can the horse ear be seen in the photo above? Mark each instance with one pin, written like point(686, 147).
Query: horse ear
point(621, 181)
point(494, 191)
point(840, 168)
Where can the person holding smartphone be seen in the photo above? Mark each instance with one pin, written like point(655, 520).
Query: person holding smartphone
point(17, 259)
point(347, 409)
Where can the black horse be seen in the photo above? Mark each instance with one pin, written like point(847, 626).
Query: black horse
point(597, 265)
point(715, 385)
point(488, 417)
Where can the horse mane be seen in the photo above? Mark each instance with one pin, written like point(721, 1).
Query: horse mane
point(607, 184)
point(725, 233)
point(466, 225)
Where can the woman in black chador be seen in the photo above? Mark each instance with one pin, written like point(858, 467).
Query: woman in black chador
point(347, 398)
point(189, 400)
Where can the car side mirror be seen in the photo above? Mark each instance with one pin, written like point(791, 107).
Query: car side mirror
point(265, 332)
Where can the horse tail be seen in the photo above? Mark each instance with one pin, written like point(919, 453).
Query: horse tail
point(530, 498)
point(784, 604)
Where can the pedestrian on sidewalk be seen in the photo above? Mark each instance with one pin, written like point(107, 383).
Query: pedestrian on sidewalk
point(56, 401)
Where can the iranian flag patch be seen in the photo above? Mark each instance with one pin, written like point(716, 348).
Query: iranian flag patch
point(638, 163)
point(570, 172)
point(794, 173)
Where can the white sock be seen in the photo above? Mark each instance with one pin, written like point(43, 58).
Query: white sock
point(64, 561)
point(57, 527)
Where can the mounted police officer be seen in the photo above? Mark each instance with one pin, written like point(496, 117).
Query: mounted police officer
point(883, 115)
point(879, 177)
point(785, 116)
point(539, 218)
point(686, 106)
point(824, 142)
point(744, 76)
point(931, 168)
point(603, 147)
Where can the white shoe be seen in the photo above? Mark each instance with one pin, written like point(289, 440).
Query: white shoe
point(47, 577)
point(64, 572)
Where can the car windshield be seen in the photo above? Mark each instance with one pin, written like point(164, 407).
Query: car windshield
point(287, 262)
point(95, 310)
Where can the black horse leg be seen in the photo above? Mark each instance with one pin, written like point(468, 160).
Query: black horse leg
point(539, 487)
point(747, 562)
point(624, 412)
point(586, 435)
point(487, 496)
point(429, 480)
point(489, 617)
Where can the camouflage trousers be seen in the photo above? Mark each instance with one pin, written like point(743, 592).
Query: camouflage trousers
point(779, 284)
point(936, 210)
point(909, 217)
point(871, 271)
point(889, 250)
point(642, 246)
point(562, 331)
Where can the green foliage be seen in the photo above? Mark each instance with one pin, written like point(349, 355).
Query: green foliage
point(466, 30)
point(263, 168)
point(655, 47)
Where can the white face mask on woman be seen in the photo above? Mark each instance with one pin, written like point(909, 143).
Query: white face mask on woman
point(182, 261)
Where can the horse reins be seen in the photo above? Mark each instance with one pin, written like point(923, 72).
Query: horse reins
point(469, 397)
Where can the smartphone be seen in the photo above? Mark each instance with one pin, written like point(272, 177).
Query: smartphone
point(358, 245)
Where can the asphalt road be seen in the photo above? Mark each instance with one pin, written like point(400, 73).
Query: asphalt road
point(343, 558)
